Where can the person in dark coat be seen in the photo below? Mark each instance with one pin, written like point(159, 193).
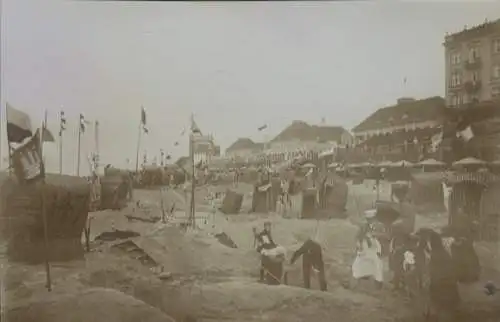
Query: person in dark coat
point(312, 258)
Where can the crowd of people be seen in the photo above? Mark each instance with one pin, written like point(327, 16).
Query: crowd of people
point(426, 263)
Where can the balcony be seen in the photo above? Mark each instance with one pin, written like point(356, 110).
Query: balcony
point(472, 86)
point(473, 64)
point(455, 87)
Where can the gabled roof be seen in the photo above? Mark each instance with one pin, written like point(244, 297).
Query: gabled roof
point(302, 131)
point(407, 112)
point(241, 144)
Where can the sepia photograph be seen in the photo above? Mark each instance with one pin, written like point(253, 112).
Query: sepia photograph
point(248, 161)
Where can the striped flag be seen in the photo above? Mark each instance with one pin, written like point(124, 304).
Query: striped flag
point(62, 125)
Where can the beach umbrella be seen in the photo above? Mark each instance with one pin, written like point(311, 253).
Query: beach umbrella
point(470, 161)
point(333, 165)
point(308, 166)
point(431, 162)
point(402, 163)
point(384, 164)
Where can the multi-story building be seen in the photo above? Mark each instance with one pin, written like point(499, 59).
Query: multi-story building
point(472, 68)
point(400, 131)
point(204, 148)
point(301, 138)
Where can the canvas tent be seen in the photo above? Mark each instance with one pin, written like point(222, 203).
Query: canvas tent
point(426, 192)
point(333, 193)
point(66, 204)
point(474, 205)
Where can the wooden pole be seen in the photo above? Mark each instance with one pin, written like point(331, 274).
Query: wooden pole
point(96, 130)
point(44, 219)
point(9, 148)
point(138, 148)
point(79, 147)
point(192, 220)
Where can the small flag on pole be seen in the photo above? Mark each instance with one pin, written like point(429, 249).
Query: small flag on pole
point(194, 127)
point(47, 135)
point(18, 125)
point(143, 120)
point(83, 123)
point(143, 116)
point(62, 127)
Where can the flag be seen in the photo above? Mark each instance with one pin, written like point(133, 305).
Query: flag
point(18, 125)
point(83, 123)
point(62, 126)
point(143, 120)
point(436, 141)
point(263, 127)
point(47, 135)
point(143, 116)
point(194, 127)
point(466, 134)
point(27, 160)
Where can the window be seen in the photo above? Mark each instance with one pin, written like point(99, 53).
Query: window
point(473, 54)
point(475, 77)
point(495, 92)
point(496, 46)
point(455, 58)
point(496, 72)
point(453, 100)
point(456, 79)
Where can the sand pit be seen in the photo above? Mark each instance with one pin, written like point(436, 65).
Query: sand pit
point(96, 304)
point(212, 281)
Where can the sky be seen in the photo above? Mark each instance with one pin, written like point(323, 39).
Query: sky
point(235, 66)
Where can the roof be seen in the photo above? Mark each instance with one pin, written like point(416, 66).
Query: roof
point(302, 131)
point(478, 31)
point(407, 112)
point(241, 144)
point(182, 161)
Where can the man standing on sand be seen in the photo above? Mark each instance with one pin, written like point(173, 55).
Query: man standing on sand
point(312, 259)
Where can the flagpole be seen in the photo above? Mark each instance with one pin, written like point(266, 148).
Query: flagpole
point(61, 129)
point(44, 211)
point(9, 149)
point(1, 137)
point(96, 129)
point(192, 204)
point(79, 146)
point(138, 148)
point(44, 127)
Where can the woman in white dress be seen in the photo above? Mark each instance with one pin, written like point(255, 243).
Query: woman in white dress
point(368, 262)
